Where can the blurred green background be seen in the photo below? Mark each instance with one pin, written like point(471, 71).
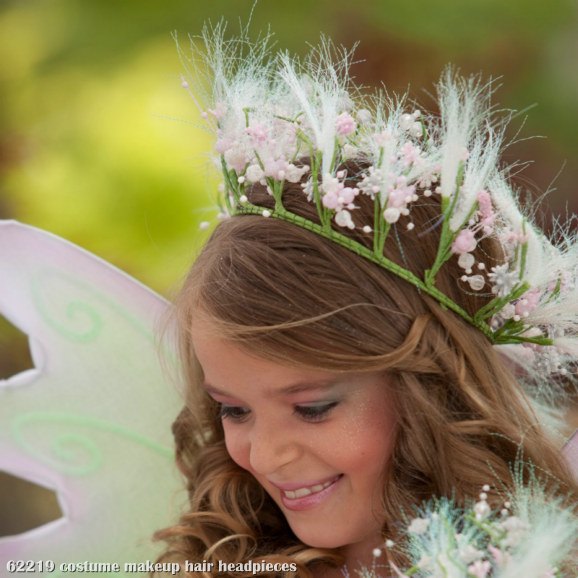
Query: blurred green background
point(99, 144)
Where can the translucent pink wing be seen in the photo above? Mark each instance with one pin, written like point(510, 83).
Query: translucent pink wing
point(92, 419)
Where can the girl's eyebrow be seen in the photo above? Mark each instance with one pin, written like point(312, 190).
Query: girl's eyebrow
point(299, 387)
point(292, 389)
point(211, 389)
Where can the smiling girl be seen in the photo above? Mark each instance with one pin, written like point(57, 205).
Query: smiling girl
point(316, 441)
point(344, 331)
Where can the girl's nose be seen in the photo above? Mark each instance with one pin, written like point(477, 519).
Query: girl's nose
point(272, 448)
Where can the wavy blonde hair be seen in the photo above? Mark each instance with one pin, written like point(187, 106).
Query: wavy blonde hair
point(463, 418)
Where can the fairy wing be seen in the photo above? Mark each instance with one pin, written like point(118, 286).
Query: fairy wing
point(92, 420)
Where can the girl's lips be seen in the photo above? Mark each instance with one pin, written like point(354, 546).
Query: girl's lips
point(305, 497)
point(293, 486)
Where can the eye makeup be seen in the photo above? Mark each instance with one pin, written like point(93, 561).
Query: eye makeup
point(308, 412)
point(233, 412)
point(315, 412)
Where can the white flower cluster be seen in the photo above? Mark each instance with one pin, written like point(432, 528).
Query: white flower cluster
point(528, 537)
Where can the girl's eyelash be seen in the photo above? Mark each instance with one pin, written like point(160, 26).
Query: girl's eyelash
point(314, 412)
point(233, 412)
point(311, 413)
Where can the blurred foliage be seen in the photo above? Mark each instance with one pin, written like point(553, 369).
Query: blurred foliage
point(14, 351)
point(453, 25)
point(25, 505)
point(99, 144)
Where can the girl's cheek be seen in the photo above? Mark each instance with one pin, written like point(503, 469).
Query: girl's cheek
point(237, 448)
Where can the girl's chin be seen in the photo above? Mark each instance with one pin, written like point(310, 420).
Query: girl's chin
point(358, 545)
point(322, 537)
point(321, 542)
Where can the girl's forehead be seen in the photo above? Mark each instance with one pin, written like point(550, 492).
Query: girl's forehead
point(306, 386)
point(227, 367)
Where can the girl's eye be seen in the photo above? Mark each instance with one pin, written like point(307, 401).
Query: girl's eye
point(315, 413)
point(233, 412)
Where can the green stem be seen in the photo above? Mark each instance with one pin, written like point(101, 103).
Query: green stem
point(489, 309)
point(447, 235)
point(376, 228)
point(524, 254)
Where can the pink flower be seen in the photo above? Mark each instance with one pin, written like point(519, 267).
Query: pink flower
point(480, 569)
point(511, 237)
point(485, 203)
point(338, 198)
point(497, 554)
point(235, 158)
point(486, 211)
point(501, 558)
point(527, 303)
point(400, 196)
point(222, 145)
point(382, 138)
point(258, 133)
point(409, 153)
point(347, 195)
point(335, 194)
point(344, 124)
point(465, 242)
point(219, 111)
point(330, 200)
point(275, 168)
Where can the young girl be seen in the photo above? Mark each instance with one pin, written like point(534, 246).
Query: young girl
point(369, 329)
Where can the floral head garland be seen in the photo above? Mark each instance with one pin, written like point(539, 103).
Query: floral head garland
point(280, 120)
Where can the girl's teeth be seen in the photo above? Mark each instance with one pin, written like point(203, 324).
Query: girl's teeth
point(302, 492)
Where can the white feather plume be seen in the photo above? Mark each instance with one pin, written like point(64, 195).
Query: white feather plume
point(385, 149)
point(482, 161)
point(512, 220)
point(461, 104)
point(319, 86)
point(559, 313)
point(551, 535)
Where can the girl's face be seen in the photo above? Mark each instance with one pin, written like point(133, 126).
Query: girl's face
point(317, 441)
